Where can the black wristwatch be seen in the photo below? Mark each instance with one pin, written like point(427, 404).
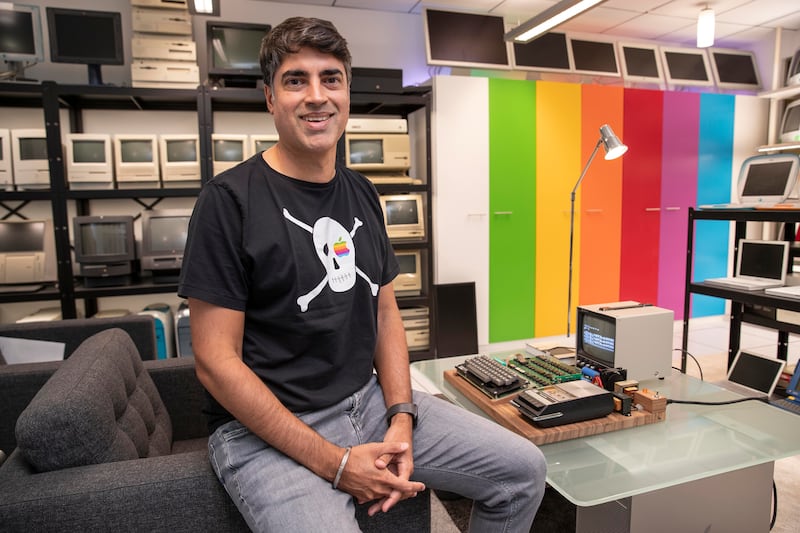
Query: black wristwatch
point(408, 408)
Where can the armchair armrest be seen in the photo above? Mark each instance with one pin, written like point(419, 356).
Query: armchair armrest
point(182, 394)
point(18, 385)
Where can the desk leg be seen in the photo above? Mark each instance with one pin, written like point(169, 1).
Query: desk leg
point(735, 502)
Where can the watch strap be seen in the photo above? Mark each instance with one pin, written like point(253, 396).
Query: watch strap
point(407, 408)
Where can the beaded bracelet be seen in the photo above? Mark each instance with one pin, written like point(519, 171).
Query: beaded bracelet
point(341, 468)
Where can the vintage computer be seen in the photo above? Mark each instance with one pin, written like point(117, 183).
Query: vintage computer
point(29, 153)
point(382, 157)
point(164, 323)
point(233, 52)
point(89, 164)
point(630, 335)
point(27, 254)
point(228, 150)
point(408, 281)
point(790, 123)
point(262, 141)
point(164, 234)
point(183, 331)
point(136, 161)
point(793, 74)
point(104, 249)
point(404, 215)
point(6, 168)
point(22, 44)
point(180, 160)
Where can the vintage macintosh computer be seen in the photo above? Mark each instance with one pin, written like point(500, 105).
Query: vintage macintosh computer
point(27, 254)
point(89, 164)
point(164, 233)
point(408, 281)
point(382, 157)
point(404, 215)
point(180, 160)
point(136, 161)
point(164, 323)
point(260, 142)
point(104, 249)
point(31, 166)
point(6, 168)
point(22, 44)
point(228, 150)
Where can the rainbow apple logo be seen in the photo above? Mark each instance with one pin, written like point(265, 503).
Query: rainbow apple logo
point(340, 248)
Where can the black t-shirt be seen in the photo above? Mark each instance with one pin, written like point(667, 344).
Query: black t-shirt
point(304, 261)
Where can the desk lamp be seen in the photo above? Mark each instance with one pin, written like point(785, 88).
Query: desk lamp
point(614, 149)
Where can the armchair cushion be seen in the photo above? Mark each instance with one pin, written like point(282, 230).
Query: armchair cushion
point(95, 409)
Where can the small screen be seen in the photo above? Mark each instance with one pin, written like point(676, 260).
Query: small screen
point(182, 151)
point(408, 263)
point(400, 212)
point(168, 234)
point(686, 66)
point(104, 238)
point(366, 151)
point(264, 145)
point(136, 151)
point(32, 148)
point(466, 38)
point(791, 122)
point(766, 179)
point(16, 32)
point(88, 152)
point(640, 62)
point(21, 237)
point(547, 51)
point(761, 259)
point(594, 56)
point(236, 48)
point(755, 372)
point(598, 337)
point(228, 150)
point(735, 68)
point(80, 36)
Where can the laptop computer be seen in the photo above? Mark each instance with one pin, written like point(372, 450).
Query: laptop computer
point(764, 180)
point(791, 291)
point(792, 400)
point(753, 375)
point(759, 265)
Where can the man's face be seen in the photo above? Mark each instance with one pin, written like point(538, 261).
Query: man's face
point(310, 101)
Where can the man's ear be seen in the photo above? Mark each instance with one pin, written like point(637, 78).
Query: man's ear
point(268, 97)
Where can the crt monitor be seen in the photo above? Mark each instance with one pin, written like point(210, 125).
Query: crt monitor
point(404, 215)
point(164, 234)
point(104, 248)
point(378, 152)
point(21, 42)
point(85, 37)
point(180, 160)
point(27, 252)
point(261, 142)
point(88, 160)
point(233, 49)
point(29, 153)
point(408, 281)
point(6, 175)
point(228, 150)
point(136, 159)
point(790, 124)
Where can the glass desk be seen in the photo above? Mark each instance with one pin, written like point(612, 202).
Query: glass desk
point(669, 465)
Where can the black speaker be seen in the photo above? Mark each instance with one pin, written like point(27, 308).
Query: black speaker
point(455, 319)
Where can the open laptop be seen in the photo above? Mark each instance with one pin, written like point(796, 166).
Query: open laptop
point(759, 265)
point(753, 375)
point(764, 180)
point(792, 400)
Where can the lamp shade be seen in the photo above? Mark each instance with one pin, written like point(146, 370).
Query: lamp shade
point(705, 28)
point(613, 146)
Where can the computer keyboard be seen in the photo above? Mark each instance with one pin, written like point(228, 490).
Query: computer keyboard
point(490, 376)
point(787, 405)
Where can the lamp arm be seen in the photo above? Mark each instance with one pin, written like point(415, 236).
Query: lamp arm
point(588, 164)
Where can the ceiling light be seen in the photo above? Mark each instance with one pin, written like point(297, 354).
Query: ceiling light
point(549, 19)
point(705, 28)
point(204, 7)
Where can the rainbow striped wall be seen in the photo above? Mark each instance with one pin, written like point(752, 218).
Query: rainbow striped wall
point(631, 214)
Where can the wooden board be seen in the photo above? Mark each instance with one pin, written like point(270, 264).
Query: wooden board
point(508, 416)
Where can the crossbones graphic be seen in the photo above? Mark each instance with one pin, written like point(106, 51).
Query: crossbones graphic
point(336, 251)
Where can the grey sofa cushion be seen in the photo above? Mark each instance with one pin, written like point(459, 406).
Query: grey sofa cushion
point(100, 406)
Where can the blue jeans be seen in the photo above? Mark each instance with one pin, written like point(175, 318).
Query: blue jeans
point(454, 450)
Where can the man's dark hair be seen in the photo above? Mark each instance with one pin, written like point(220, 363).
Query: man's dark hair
point(294, 33)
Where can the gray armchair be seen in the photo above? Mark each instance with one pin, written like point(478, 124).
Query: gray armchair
point(112, 443)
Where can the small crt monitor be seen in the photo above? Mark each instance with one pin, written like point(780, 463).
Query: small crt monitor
point(631, 335)
point(409, 280)
point(228, 150)
point(136, 160)
point(404, 215)
point(180, 160)
point(378, 152)
point(6, 172)
point(27, 252)
point(104, 248)
point(29, 153)
point(88, 161)
point(164, 234)
point(261, 142)
point(790, 124)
